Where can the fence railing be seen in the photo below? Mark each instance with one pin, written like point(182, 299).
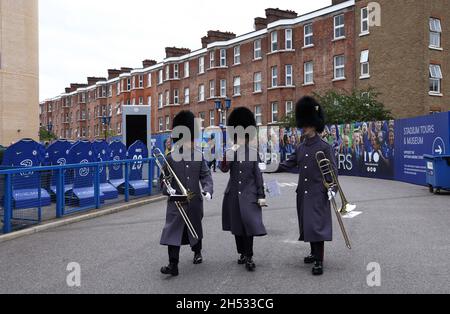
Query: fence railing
point(31, 195)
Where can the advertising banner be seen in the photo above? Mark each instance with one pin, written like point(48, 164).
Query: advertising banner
point(418, 137)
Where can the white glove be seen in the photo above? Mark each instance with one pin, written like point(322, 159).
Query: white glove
point(331, 195)
point(262, 166)
point(206, 196)
point(235, 148)
point(262, 203)
point(171, 191)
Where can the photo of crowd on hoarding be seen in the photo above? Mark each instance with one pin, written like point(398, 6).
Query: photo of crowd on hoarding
point(362, 148)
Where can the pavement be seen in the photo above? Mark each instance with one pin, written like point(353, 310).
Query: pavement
point(403, 229)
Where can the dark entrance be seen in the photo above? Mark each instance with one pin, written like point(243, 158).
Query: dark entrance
point(136, 129)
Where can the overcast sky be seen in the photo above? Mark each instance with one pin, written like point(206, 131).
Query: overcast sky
point(86, 37)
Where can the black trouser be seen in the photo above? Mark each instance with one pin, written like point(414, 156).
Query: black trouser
point(213, 165)
point(174, 252)
point(318, 250)
point(244, 245)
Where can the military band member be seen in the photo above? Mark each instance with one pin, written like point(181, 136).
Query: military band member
point(244, 195)
point(192, 174)
point(313, 199)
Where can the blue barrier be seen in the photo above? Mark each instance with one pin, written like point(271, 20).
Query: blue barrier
point(87, 179)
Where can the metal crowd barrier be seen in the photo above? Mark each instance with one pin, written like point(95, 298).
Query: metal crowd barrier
point(32, 195)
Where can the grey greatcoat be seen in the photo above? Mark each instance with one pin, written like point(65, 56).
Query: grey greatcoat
point(192, 174)
point(241, 213)
point(313, 206)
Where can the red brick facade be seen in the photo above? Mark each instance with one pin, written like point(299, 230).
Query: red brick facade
point(104, 98)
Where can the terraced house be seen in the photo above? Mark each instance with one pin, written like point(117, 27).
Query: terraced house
point(400, 48)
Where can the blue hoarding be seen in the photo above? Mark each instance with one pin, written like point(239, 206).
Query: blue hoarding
point(427, 135)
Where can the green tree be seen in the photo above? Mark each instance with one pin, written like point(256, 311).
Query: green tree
point(46, 136)
point(342, 107)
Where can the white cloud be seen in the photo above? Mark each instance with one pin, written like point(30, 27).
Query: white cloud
point(86, 37)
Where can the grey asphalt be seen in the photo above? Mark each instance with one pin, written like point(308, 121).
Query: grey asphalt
point(403, 228)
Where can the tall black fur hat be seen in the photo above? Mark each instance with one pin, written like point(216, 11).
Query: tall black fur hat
point(185, 118)
point(242, 116)
point(309, 113)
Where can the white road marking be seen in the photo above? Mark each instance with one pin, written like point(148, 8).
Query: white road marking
point(352, 215)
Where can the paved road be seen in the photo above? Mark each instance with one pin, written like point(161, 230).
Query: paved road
point(403, 228)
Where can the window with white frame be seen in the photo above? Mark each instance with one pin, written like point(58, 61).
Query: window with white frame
point(160, 100)
point(257, 49)
point(160, 125)
point(118, 88)
point(133, 102)
point(201, 93)
point(435, 79)
point(167, 72)
point(274, 108)
point(257, 82)
point(149, 80)
point(258, 115)
point(212, 88)
point(274, 71)
point(176, 96)
point(141, 81)
point(187, 99)
point(339, 26)
point(202, 117)
point(212, 62)
point(160, 76)
point(237, 55)
point(364, 21)
point(167, 98)
point(339, 67)
point(309, 73)
point(223, 57)
point(186, 69)
point(288, 39)
point(201, 65)
point(176, 71)
point(435, 33)
point(167, 123)
point(237, 86)
point(365, 68)
point(223, 88)
point(289, 108)
point(110, 90)
point(308, 35)
point(212, 118)
point(141, 101)
point(149, 101)
point(129, 84)
point(289, 75)
point(133, 80)
point(274, 41)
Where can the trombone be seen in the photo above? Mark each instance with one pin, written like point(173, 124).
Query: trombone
point(167, 176)
point(331, 182)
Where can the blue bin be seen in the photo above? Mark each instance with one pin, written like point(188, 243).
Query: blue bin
point(438, 172)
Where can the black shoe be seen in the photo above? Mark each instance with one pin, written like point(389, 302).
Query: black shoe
point(310, 259)
point(318, 269)
point(242, 260)
point(198, 259)
point(171, 270)
point(249, 264)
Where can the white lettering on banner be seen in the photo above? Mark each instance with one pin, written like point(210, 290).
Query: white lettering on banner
point(409, 133)
point(345, 162)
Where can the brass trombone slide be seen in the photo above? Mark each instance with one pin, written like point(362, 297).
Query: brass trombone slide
point(331, 182)
point(186, 196)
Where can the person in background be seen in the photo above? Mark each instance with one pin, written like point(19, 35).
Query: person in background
point(168, 145)
point(212, 146)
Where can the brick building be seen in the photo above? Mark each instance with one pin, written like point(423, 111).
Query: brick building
point(406, 59)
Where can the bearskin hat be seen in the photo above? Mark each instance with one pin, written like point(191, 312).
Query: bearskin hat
point(243, 117)
point(187, 119)
point(309, 113)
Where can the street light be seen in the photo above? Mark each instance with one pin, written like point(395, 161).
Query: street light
point(222, 108)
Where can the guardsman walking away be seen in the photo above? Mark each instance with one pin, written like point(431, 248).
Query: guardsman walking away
point(244, 195)
point(313, 199)
point(192, 174)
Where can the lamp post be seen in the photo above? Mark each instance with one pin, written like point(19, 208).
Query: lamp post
point(106, 122)
point(222, 108)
